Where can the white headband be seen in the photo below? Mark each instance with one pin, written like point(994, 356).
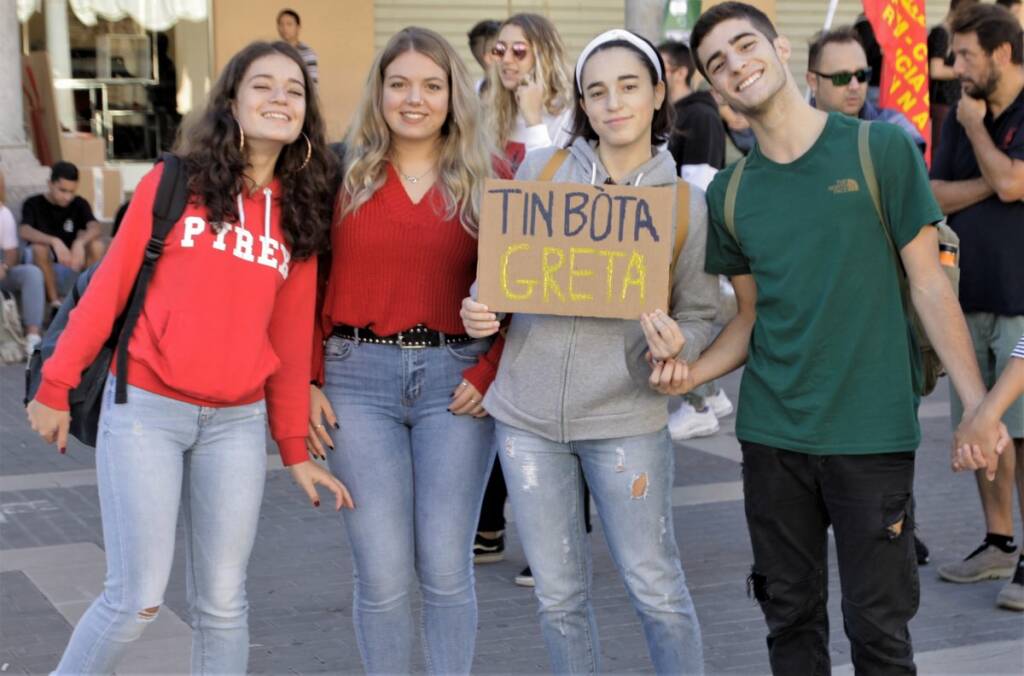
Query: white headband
point(612, 36)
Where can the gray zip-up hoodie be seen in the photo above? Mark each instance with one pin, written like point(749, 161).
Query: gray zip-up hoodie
point(573, 378)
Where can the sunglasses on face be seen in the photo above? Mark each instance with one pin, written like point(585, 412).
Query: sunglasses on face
point(843, 78)
point(520, 50)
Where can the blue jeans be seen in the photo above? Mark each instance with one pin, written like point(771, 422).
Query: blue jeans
point(416, 473)
point(631, 481)
point(152, 455)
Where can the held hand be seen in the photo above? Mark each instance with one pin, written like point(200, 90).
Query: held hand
point(671, 376)
point(664, 337)
point(308, 475)
point(467, 400)
point(62, 252)
point(530, 98)
point(51, 424)
point(978, 443)
point(970, 112)
point(320, 412)
point(478, 320)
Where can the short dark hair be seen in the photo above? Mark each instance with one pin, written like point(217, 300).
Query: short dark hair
point(483, 30)
point(292, 13)
point(1008, 3)
point(723, 12)
point(63, 170)
point(840, 35)
point(661, 125)
point(994, 26)
point(680, 56)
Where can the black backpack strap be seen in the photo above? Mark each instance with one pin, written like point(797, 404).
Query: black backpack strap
point(168, 206)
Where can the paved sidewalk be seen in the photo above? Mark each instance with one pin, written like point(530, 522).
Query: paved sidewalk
point(300, 586)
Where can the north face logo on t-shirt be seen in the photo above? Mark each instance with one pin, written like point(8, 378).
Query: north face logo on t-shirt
point(844, 185)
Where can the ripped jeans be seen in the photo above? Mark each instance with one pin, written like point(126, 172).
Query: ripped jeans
point(631, 480)
point(152, 455)
point(790, 500)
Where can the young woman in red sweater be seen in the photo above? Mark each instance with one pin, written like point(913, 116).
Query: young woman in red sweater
point(410, 439)
point(226, 325)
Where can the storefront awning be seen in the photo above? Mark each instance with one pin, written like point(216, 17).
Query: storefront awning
point(153, 15)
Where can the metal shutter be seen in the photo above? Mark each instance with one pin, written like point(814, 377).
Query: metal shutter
point(799, 20)
point(576, 20)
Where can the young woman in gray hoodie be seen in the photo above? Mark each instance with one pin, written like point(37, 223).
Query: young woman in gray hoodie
point(574, 394)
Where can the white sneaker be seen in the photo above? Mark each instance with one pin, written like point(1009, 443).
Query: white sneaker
point(687, 422)
point(31, 341)
point(720, 404)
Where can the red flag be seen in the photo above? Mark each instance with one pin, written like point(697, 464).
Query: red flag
point(902, 33)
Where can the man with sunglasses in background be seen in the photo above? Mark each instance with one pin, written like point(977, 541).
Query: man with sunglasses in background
point(838, 75)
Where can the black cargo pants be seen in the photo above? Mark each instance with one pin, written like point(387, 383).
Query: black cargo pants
point(790, 501)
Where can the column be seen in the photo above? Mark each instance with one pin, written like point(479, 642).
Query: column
point(58, 46)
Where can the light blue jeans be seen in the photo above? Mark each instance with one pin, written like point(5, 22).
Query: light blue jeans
point(152, 455)
point(27, 280)
point(417, 474)
point(631, 481)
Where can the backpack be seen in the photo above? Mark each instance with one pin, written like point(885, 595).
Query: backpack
point(12, 339)
point(682, 208)
point(949, 242)
point(86, 399)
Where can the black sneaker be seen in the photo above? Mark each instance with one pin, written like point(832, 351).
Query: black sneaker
point(921, 550)
point(524, 578)
point(489, 550)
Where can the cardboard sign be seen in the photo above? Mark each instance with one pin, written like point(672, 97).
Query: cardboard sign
point(573, 249)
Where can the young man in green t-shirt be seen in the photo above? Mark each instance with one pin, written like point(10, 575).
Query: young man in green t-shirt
point(828, 410)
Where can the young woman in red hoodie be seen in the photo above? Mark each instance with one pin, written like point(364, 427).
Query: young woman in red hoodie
point(413, 443)
point(222, 343)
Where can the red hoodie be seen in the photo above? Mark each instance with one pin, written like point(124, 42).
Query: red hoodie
point(227, 320)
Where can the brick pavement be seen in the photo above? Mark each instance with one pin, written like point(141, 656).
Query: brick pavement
point(300, 576)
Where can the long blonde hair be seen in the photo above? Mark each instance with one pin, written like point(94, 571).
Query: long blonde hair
point(549, 55)
point(466, 150)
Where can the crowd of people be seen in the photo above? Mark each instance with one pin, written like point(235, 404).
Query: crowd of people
point(336, 302)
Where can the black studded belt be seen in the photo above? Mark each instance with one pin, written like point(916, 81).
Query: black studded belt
point(417, 337)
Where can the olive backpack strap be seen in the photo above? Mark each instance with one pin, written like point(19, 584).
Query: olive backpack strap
point(731, 191)
point(556, 161)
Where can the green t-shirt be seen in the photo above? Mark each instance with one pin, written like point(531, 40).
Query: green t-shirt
point(830, 369)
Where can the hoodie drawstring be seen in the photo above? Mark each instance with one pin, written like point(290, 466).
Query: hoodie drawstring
point(266, 213)
point(241, 211)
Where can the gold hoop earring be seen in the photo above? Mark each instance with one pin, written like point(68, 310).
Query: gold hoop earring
point(309, 152)
point(241, 137)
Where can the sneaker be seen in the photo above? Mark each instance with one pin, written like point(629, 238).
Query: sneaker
point(921, 551)
point(31, 341)
point(1012, 595)
point(720, 404)
point(524, 578)
point(687, 422)
point(987, 562)
point(489, 550)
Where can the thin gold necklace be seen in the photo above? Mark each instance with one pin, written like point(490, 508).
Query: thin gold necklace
point(410, 178)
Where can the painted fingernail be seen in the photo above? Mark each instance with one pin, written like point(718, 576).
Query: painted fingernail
point(63, 451)
point(316, 503)
point(336, 425)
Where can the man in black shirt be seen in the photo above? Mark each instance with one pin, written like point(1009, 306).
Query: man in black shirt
point(60, 229)
point(698, 136)
point(978, 180)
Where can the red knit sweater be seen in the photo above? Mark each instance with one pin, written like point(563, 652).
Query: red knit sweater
point(227, 319)
point(396, 264)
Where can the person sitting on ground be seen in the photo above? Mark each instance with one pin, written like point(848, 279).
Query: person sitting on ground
point(63, 236)
point(27, 280)
point(288, 26)
point(838, 75)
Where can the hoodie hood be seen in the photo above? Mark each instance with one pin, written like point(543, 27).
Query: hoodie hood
point(587, 167)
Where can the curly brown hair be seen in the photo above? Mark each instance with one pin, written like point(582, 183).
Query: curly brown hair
point(209, 146)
